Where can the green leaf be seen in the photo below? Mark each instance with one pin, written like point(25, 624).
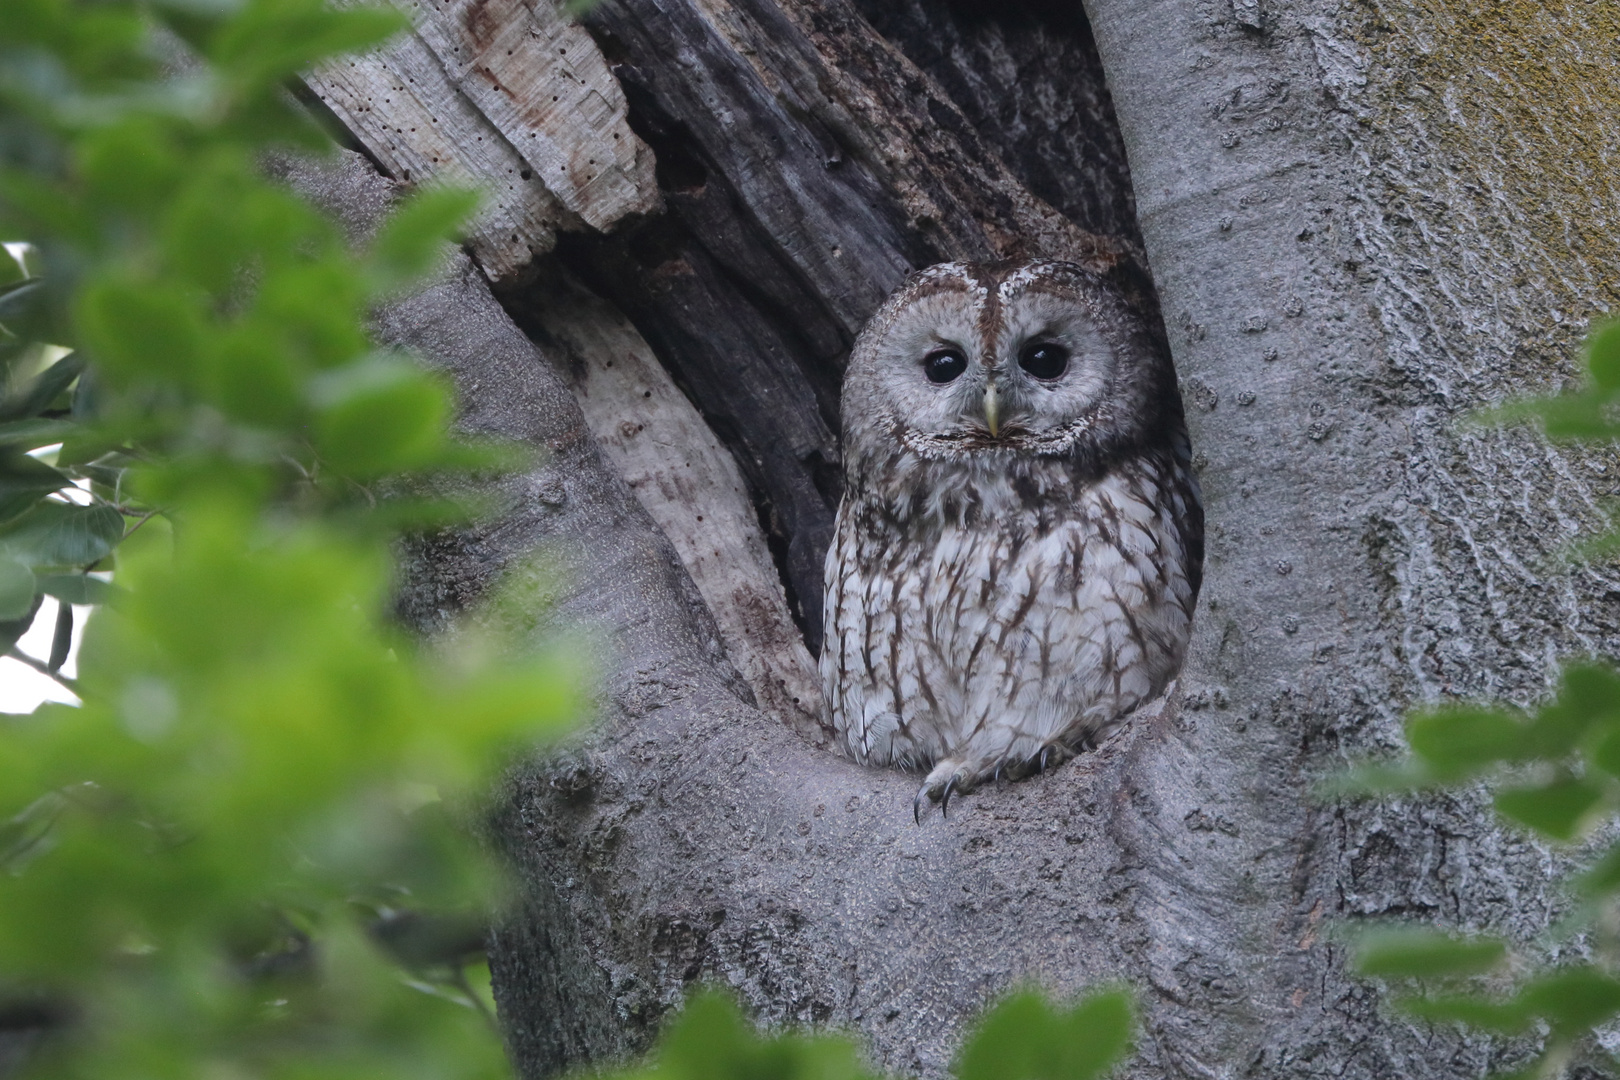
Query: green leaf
point(1425, 954)
point(1097, 1034)
point(32, 434)
point(1588, 694)
point(207, 232)
point(1574, 417)
point(145, 330)
point(1556, 809)
point(311, 309)
point(415, 235)
point(60, 534)
point(709, 1029)
point(62, 639)
point(24, 481)
point(12, 630)
point(1508, 1017)
point(86, 444)
point(1606, 753)
point(255, 381)
point(1378, 778)
point(11, 286)
point(1575, 1000)
point(1603, 877)
point(249, 714)
point(710, 1040)
point(132, 164)
point(1603, 356)
point(1457, 740)
point(17, 588)
point(12, 270)
point(81, 589)
point(383, 415)
point(1024, 1038)
point(1012, 1041)
point(266, 44)
point(45, 388)
point(28, 831)
point(16, 304)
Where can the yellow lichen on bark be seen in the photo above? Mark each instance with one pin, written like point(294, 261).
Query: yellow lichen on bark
point(1508, 113)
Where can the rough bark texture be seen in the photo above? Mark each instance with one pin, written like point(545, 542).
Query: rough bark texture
point(1363, 219)
point(1337, 287)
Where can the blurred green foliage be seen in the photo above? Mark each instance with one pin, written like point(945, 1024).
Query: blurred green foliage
point(1025, 1038)
point(236, 858)
point(243, 855)
point(1554, 771)
point(1022, 1038)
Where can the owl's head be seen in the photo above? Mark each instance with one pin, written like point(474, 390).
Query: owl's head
point(977, 362)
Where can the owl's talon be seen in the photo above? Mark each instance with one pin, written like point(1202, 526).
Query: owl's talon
point(1046, 752)
point(917, 804)
point(945, 799)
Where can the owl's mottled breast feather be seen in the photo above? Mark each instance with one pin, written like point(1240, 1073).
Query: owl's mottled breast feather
point(1019, 549)
point(1007, 610)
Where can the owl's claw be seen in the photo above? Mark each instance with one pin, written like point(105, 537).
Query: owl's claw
point(938, 788)
point(1046, 752)
point(950, 777)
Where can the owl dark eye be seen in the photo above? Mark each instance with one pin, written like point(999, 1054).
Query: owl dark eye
point(944, 365)
point(1044, 359)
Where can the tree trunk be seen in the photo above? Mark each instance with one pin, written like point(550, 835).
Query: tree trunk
point(1362, 219)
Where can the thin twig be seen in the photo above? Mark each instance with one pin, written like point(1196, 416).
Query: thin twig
point(462, 983)
point(44, 669)
point(145, 517)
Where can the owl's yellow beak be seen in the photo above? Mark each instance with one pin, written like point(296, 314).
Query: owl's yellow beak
point(992, 408)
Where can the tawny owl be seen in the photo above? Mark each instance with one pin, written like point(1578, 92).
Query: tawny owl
point(1020, 543)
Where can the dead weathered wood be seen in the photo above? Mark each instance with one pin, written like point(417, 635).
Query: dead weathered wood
point(1025, 75)
point(418, 127)
point(689, 484)
point(484, 92)
point(509, 97)
point(538, 77)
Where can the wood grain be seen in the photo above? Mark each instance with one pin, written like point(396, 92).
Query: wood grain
point(689, 485)
point(508, 97)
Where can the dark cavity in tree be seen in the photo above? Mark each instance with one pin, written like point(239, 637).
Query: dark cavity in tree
point(755, 341)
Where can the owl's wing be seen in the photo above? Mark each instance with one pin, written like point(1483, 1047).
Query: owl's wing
point(866, 669)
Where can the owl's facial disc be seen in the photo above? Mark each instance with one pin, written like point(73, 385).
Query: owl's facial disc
point(1015, 385)
point(1052, 366)
point(993, 364)
point(926, 367)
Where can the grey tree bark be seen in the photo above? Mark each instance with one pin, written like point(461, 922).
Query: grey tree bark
point(1363, 219)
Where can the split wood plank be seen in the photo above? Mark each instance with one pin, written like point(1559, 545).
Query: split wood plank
point(508, 96)
point(690, 485)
